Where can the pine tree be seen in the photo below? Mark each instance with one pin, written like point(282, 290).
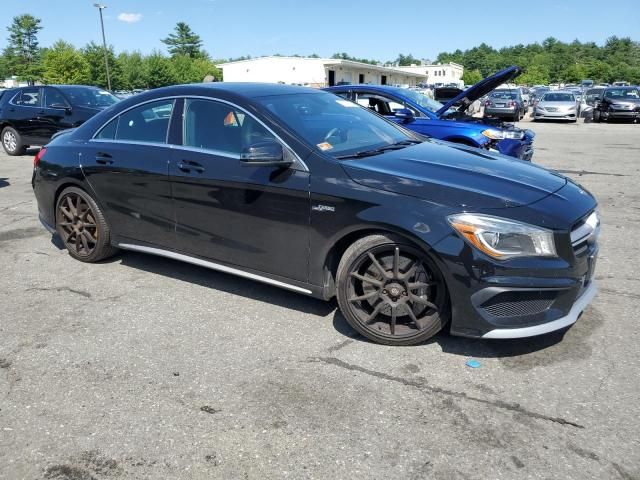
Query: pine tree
point(22, 54)
point(184, 42)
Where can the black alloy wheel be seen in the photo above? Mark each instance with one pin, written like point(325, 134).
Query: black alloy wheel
point(391, 292)
point(82, 226)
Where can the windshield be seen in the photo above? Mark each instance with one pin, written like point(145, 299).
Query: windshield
point(89, 97)
point(334, 125)
point(559, 97)
point(423, 101)
point(622, 93)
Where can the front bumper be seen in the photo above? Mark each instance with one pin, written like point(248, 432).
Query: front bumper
point(569, 319)
point(621, 114)
point(546, 115)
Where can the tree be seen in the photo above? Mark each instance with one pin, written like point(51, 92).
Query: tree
point(158, 70)
point(22, 55)
point(94, 55)
point(132, 70)
point(471, 77)
point(406, 60)
point(192, 70)
point(62, 63)
point(184, 42)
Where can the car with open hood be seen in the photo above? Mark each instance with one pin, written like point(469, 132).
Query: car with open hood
point(304, 190)
point(449, 121)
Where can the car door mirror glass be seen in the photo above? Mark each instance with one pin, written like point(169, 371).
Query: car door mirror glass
point(265, 152)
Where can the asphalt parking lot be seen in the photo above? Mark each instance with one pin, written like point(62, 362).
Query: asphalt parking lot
point(142, 367)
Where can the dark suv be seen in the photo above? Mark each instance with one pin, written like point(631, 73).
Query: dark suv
point(32, 115)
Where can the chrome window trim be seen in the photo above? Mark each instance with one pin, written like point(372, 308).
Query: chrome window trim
point(27, 106)
point(213, 152)
point(212, 265)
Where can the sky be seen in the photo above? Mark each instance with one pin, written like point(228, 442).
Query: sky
point(376, 29)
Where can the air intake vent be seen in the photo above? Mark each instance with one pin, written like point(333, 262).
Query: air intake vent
point(519, 304)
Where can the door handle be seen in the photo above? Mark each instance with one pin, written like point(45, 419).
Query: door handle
point(104, 159)
point(187, 165)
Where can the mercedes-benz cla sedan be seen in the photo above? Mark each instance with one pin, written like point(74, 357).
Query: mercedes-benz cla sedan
point(307, 191)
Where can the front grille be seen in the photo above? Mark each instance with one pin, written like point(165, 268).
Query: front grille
point(519, 304)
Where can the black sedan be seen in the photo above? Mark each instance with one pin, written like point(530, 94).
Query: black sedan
point(32, 115)
point(304, 190)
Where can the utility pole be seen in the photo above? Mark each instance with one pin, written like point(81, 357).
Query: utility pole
point(101, 7)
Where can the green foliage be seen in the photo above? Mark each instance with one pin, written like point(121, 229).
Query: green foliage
point(184, 42)
point(64, 64)
point(159, 70)
point(471, 77)
point(189, 70)
point(406, 60)
point(133, 73)
point(94, 55)
point(346, 56)
point(22, 54)
point(553, 61)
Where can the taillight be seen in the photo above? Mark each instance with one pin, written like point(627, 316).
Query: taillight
point(512, 103)
point(487, 103)
point(38, 157)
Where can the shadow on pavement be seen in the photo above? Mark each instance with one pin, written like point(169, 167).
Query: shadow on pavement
point(3, 182)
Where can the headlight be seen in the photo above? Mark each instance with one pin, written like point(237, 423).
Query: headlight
point(494, 134)
point(501, 238)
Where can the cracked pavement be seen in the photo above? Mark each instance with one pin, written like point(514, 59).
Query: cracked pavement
point(145, 368)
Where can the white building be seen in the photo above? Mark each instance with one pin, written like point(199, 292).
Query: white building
point(439, 73)
point(316, 72)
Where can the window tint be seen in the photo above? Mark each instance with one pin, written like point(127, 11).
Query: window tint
point(29, 97)
point(108, 132)
point(53, 96)
point(146, 123)
point(218, 126)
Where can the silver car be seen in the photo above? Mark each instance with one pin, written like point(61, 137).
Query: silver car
point(557, 105)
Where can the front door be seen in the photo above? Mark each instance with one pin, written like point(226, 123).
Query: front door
point(127, 164)
point(57, 113)
point(255, 217)
point(332, 78)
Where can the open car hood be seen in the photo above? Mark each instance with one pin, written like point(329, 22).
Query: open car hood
point(480, 89)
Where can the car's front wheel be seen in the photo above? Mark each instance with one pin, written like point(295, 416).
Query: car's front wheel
point(12, 142)
point(82, 226)
point(390, 291)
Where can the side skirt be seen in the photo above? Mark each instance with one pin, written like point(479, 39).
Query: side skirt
point(299, 287)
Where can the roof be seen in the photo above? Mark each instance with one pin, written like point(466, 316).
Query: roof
point(329, 61)
point(244, 89)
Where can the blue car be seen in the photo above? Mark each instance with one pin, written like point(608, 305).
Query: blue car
point(447, 121)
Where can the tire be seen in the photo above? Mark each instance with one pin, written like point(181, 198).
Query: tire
point(390, 291)
point(12, 142)
point(82, 226)
point(596, 116)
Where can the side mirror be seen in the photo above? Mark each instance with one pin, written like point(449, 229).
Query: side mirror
point(405, 115)
point(264, 153)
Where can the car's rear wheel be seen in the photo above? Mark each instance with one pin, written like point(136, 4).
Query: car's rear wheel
point(390, 291)
point(82, 226)
point(12, 142)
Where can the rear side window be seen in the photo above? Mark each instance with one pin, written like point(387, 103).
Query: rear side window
point(146, 123)
point(28, 97)
point(217, 126)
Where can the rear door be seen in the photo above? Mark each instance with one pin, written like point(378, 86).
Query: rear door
point(126, 164)
point(24, 111)
point(255, 217)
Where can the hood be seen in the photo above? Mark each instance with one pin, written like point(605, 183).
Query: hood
point(456, 176)
point(480, 89)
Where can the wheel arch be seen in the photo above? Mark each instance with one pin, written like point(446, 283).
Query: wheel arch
point(341, 242)
point(66, 183)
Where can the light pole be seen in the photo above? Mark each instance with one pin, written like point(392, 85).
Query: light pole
point(101, 7)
